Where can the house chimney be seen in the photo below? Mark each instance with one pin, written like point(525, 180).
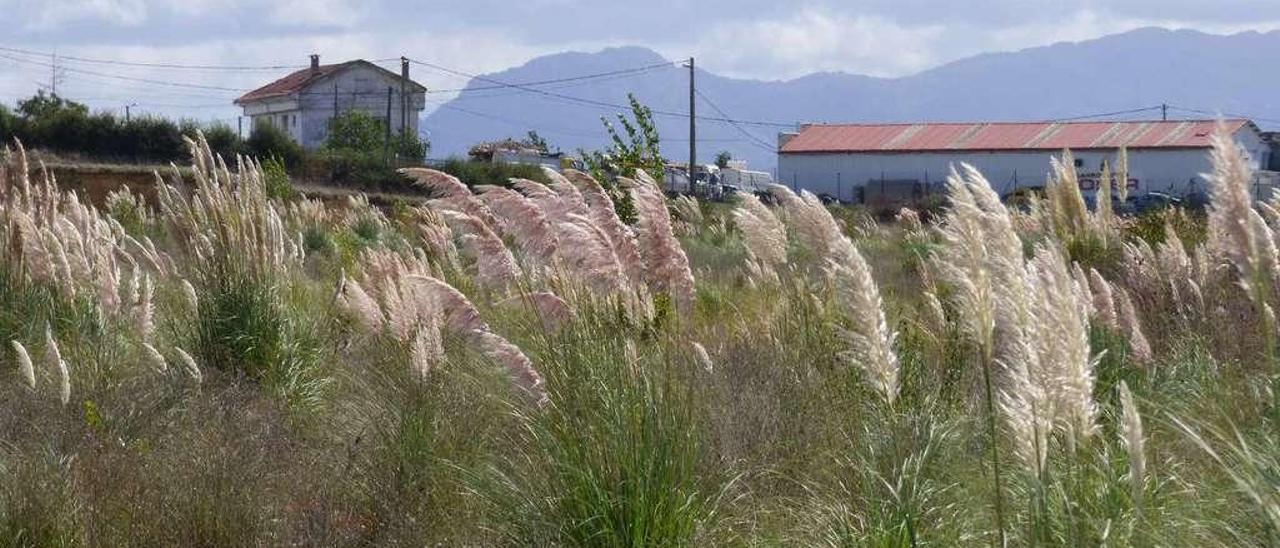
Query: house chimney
point(315, 62)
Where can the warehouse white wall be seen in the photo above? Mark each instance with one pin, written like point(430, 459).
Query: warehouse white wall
point(1176, 171)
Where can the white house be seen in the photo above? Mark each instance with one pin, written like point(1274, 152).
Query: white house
point(1165, 156)
point(303, 102)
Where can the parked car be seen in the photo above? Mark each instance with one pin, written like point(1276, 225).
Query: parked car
point(1153, 201)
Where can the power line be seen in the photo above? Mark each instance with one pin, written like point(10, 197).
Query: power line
point(154, 65)
point(125, 78)
point(1107, 114)
point(753, 139)
point(1219, 114)
point(543, 128)
point(585, 101)
point(622, 72)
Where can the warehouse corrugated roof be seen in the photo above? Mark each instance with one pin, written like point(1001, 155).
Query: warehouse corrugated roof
point(939, 137)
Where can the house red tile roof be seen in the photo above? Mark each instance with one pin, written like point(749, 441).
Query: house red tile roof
point(299, 80)
point(941, 137)
point(296, 81)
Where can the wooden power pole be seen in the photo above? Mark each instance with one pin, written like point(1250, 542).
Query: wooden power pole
point(404, 99)
point(693, 131)
point(386, 145)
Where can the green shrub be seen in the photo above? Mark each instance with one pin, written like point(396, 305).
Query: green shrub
point(266, 141)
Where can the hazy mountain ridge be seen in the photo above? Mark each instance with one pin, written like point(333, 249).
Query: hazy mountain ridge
point(1232, 74)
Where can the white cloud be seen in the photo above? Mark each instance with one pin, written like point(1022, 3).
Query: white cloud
point(816, 40)
point(332, 13)
point(49, 14)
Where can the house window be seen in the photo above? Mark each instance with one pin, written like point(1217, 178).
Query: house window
point(1079, 162)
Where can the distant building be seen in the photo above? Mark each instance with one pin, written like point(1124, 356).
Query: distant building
point(842, 161)
point(302, 103)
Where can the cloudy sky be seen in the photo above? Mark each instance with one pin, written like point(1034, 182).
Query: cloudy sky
point(749, 38)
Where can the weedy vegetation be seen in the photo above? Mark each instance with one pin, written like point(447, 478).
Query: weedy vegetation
point(231, 364)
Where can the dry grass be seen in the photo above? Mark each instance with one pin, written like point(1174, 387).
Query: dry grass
point(220, 367)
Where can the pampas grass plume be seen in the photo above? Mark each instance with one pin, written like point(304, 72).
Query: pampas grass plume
point(25, 366)
point(1131, 429)
point(189, 365)
point(156, 358)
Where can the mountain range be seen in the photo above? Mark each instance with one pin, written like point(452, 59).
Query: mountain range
point(1233, 75)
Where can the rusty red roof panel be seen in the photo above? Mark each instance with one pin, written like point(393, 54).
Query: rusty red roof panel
point(1005, 136)
point(933, 136)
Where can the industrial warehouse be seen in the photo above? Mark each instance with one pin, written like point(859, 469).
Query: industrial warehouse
point(853, 162)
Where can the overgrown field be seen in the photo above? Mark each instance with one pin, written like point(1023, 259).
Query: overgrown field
point(228, 365)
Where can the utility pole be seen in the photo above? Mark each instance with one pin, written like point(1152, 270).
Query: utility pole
point(1164, 112)
point(404, 100)
point(693, 130)
point(240, 127)
point(386, 145)
point(126, 111)
point(55, 73)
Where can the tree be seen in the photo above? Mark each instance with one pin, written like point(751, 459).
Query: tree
point(536, 142)
point(723, 158)
point(358, 151)
point(636, 147)
point(223, 140)
point(45, 106)
point(266, 141)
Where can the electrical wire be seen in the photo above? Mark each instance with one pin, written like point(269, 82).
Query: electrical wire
point(752, 138)
point(125, 78)
point(1220, 114)
point(584, 101)
point(1106, 114)
point(151, 65)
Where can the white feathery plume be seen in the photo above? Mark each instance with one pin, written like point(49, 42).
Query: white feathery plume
point(1028, 416)
point(1103, 214)
point(1131, 428)
point(571, 197)
point(688, 210)
point(189, 365)
point(909, 219)
point(460, 315)
point(360, 304)
point(453, 193)
point(554, 312)
point(704, 359)
point(1063, 340)
point(25, 367)
point(600, 210)
point(1237, 234)
point(868, 336)
point(516, 363)
point(56, 361)
point(524, 221)
point(763, 235)
point(144, 311)
point(1103, 300)
point(1066, 204)
point(814, 226)
point(666, 265)
point(1081, 286)
point(588, 254)
point(427, 350)
point(496, 268)
point(963, 262)
point(1139, 348)
point(156, 358)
